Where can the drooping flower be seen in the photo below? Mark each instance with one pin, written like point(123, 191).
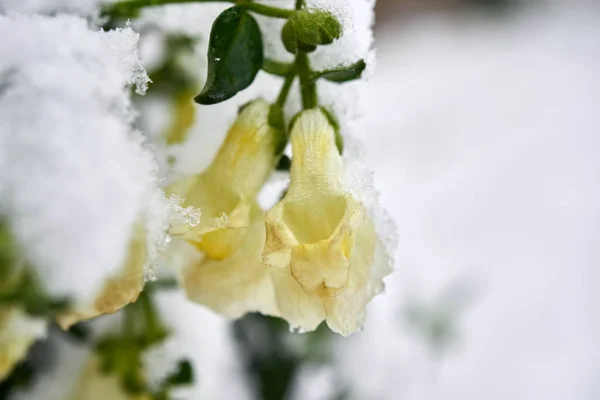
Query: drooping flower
point(18, 331)
point(320, 241)
point(223, 267)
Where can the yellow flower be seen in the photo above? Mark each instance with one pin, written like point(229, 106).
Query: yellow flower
point(226, 272)
point(320, 244)
point(18, 331)
point(117, 291)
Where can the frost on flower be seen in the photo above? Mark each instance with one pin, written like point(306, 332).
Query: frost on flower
point(224, 270)
point(77, 179)
point(321, 243)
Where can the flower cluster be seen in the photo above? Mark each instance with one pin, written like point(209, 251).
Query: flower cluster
point(307, 259)
point(86, 244)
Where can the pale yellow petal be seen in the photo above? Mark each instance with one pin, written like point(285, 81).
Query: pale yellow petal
point(346, 307)
point(317, 264)
point(18, 331)
point(248, 154)
point(237, 284)
point(300, 308)
point(279, 240)
point(225, 191)
point(117, 291)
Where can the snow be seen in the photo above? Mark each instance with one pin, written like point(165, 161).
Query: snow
point(77, 176)
point(83, 8)
point(206, 340)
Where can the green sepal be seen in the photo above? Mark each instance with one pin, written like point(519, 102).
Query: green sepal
point(305, 30)
point(277, 122)
point(342, 74)
point(276, 116)
point(235, 55)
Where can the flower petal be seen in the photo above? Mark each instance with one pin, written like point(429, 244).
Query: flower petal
point(237, 284)
point(119, 290)
point(18, 331)
point(300, 308)
point(346, 307)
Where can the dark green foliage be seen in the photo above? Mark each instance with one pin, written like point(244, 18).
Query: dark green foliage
point(18, 283)
point(40, 359)
point(273, 355)
point(171, 78)
point(183, 376)
point(235, 55)
point(21, 376)
point(342, 74)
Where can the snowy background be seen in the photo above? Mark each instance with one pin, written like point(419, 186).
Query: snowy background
point(483, 131)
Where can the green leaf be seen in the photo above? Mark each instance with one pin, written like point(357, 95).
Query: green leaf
point(183, 376)
point(342, 74)
point(235, 55)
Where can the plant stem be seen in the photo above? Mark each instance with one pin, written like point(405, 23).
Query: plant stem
point(285, 89)
point(277, 68)
point(299, 4)
point(129, 316)
point(163, 283)
point(129, 6)
point(308, 87)
point(269, 11)
point(154, 327)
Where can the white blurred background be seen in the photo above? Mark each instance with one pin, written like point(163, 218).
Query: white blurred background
point(483, 131)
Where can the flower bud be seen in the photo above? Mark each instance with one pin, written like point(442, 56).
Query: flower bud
point(305, 30)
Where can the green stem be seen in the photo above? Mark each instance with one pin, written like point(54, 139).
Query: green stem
point(269, 11)
point(130, 6)
point(129, 319)
point(163, 283)
point(308, 87)
point(299, 4)
point(154, 327)
point(277, 68)
point(285, 89)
